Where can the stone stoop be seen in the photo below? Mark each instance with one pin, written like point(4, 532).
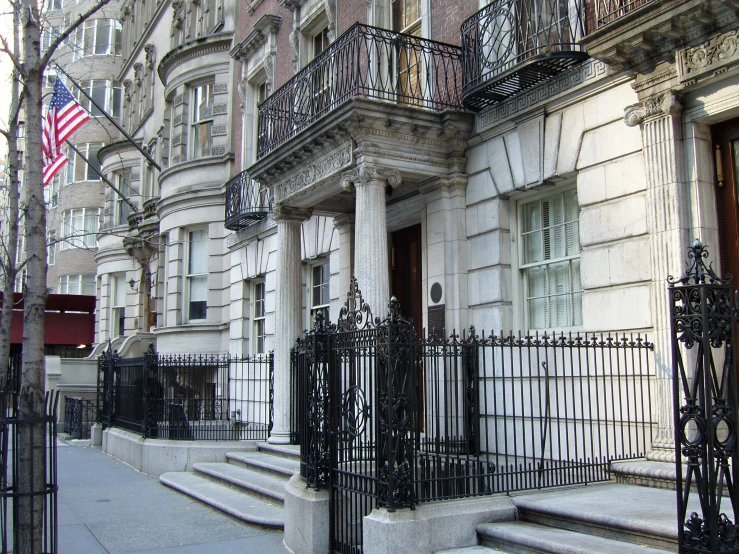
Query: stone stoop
point(248, 485)
point(647, 473)
point(596, 519)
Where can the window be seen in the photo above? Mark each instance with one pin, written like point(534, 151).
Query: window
point(80, 227)
point(202, 120)
point(78, 169)
point(55, 4)
point(51, 248)
point(51, 192)
point(97, 37)
point(407, 19)
point(106, 94)
point(21, 129)
point(122, 209)
point(258, 317)
point(48, 35)
point(118, 305)
point(20, 250)
point(197, 275)
point(319, 298)
point(550, 244)
point(49, 78)
point(77, 284)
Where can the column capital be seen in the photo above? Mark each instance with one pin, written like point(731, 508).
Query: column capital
point(662, 104)
point(288, 213)
point(343, 220)
point(367, 173)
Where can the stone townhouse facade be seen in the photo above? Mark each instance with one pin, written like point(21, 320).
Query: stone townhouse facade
point(554, 182)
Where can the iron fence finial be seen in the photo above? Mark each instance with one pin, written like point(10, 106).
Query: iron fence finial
point(697, 271)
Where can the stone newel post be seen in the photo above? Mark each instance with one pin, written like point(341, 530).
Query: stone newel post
point(371, 260)
point(287, 313)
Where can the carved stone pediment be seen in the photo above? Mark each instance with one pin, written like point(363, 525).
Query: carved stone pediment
point(267, 25)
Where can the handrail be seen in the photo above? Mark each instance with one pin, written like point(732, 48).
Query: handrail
point(364, 61)
point(608, 11)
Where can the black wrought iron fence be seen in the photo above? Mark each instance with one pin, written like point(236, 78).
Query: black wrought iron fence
point(705, 330)
point(246, 202)
point(188, 397)
point(393, 419)
point(27, 444)
point(79, 416)
point(364, 61)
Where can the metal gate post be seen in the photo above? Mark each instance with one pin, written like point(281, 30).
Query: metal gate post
point(704, 338)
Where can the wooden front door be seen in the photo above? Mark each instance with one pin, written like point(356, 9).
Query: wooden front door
point(726, 148)
point(406, 273)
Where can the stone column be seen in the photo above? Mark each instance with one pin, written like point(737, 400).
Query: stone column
point(667, 218)
point(287, 313)
point(371, 261)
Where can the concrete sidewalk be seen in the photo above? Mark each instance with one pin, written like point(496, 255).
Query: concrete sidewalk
point(106, 506)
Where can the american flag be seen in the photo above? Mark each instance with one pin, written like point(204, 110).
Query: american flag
point(63, 118)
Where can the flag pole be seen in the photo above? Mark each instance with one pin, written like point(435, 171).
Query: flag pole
point(107, 182)
point(111, 119)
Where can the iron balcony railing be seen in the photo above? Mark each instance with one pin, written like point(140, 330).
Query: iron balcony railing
point(512, 45)
point(364, 61)
point(608, 11)
point(246, 202)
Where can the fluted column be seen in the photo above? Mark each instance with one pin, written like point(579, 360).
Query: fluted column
point(667, 219)
point(371, 260)
point(287, 314)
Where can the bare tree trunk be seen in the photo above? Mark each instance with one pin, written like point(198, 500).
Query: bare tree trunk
point(11, 248)
point(31, 439)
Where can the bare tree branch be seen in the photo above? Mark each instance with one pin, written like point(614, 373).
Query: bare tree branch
point(6, 50)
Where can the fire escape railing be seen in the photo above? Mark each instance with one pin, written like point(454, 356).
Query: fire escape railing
point(608, 11)
point(364, 61)
point(512, 45)
point(246, 202)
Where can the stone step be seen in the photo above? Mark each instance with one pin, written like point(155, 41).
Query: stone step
point(239, 504)
point(289, 450)
point(523, 537)
point(265, 462)
point(254, 482)
point(473, 550)
point(629, 513)
point(645, 473)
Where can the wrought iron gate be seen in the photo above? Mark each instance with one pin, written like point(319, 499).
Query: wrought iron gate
point(361, 426)
point(387, 419)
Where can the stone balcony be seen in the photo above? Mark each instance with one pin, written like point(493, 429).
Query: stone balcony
point(634, 33)
point(373, 97)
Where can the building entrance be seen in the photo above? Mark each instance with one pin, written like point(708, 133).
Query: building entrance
point(405, 262)
point(726, 149)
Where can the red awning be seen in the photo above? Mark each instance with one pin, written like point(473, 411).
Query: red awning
point(70, 319)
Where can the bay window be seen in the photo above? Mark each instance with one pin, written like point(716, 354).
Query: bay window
point(202, 120)
point(196, 277)
point(80, 227)
point(78, 169)
point(77, 284)
point(105, 93)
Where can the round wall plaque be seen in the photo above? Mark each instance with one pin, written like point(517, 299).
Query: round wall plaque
point(435, 293)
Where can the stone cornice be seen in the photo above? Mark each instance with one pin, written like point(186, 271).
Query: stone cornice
point(659, 105)
point(197, 48)
point(121, 147)
point(267, 25)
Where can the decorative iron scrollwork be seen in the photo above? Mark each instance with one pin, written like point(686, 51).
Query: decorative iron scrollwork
point(356, 313)
point(355, 411)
